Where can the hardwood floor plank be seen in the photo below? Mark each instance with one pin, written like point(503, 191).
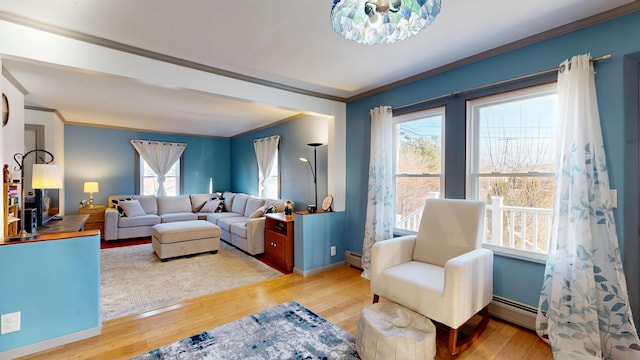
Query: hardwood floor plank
point(338, 295)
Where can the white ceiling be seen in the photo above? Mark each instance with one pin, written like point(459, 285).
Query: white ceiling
point(286, 43)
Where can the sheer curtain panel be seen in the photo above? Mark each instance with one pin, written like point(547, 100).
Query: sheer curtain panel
point(266, 151)
point(379, 221)
point(584, 309)
point(160, 156)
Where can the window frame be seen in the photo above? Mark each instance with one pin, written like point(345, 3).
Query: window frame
point(276, 167)
point(473, 174)
point(140, 175)
point(440, 110)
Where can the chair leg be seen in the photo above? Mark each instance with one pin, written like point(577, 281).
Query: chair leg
point(376, 298)
point(454, 347)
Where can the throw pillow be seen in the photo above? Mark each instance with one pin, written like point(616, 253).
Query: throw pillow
point(116, 205)
point(220, 205)
point(132, 208)
point(210, 206)
point(258, 213)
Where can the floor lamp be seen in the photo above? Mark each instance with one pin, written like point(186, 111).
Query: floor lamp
point(314, 173)
point(44, 176)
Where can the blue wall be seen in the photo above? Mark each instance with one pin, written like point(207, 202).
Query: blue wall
point(296, 182)
point(517, 280)
point(54, 284)
point(107, 156)
point(315, 234)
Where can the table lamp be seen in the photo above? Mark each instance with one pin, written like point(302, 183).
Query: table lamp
point(43, 176)
point(91, 187)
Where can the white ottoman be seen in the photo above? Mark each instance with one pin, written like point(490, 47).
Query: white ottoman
point(390, 331)
point(185, 238)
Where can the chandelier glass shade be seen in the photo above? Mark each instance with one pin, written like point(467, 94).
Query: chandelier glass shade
point(382, 21)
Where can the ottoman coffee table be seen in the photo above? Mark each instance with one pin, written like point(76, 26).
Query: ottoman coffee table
point(390, 331)
point(185, 238)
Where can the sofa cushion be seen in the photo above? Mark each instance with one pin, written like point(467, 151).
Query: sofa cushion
point(174, 217)
point(239, 204)
point(258, 213)
point(132, 208)
point(239, 229)
point(117, 202)
point(253, 204)
point(210, 206)
point(278, 204)
point(198, 200)
point(215, 217)
point(144, 220)
point(148, 203)
point(228, 200)
point(174, 204)
point(225, 223)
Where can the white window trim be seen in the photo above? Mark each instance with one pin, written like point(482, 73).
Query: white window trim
point(440, 110)
point(472, 154)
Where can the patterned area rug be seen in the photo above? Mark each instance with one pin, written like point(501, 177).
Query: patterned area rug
point(286, 331)
point(134, 280)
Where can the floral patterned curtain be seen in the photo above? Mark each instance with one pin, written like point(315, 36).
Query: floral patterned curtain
point(379, 220)
point(584, 309)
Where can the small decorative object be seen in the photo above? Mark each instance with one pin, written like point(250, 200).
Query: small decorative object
point(84, 203)
point(327, 203)
point(311, 208)
point(5, 110)
point(6, 178)
point(288, 209)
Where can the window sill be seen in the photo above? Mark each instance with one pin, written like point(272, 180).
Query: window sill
point(530, 256)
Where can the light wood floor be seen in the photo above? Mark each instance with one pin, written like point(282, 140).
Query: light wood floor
point(337, 295)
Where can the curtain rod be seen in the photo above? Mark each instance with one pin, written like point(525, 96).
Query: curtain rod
point(523, 77)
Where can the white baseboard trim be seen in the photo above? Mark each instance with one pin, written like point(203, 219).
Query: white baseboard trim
point(50, 343)
point(514, 312)
point(317, 270)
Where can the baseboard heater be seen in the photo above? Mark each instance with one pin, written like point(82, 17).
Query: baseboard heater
point(353, 259)
point(514, 312)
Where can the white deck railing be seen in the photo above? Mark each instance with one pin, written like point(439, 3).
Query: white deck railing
point(523, 228)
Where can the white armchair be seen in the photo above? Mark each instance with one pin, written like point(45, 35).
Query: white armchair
point(442, 272)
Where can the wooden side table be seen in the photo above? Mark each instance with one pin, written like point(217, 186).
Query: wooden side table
point(278, 241)
point(96, 218)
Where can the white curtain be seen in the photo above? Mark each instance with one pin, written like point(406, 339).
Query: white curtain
point(584, 310)
point(266, 151)
point(160, 156)
point(379, 220)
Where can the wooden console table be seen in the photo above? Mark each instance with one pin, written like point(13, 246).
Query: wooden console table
point(69, 223)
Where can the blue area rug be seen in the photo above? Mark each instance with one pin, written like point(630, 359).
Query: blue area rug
point(286, 331)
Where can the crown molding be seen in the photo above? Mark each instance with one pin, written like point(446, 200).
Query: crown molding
point(114, 45)
point(561, 30)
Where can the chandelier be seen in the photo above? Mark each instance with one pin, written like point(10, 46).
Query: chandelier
point(382, 21)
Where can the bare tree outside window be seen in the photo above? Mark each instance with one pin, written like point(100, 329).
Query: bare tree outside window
point(418, 164)
point(511, 161)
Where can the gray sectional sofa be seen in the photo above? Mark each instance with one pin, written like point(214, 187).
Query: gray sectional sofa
point(241, 219)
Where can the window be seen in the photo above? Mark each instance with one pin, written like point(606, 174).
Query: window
point(271, 188)
point(149, 180)
point(510, 166)
point(418, 164)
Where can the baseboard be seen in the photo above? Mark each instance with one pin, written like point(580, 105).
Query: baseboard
point(317, 270)
point(514, 312)
point(50, 343)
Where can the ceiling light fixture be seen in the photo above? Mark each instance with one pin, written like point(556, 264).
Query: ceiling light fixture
point(382, 21)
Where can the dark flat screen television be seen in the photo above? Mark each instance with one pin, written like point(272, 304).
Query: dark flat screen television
point(46, 202)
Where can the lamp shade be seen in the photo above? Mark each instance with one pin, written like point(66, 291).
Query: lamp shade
point(46, 176)
point(91, 187)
